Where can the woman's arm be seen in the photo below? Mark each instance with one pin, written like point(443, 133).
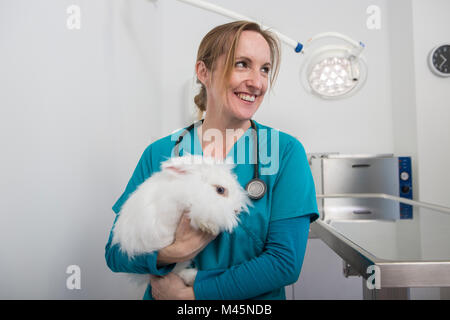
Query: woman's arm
point(279, 265)
point(188, 242)
point(119, 261)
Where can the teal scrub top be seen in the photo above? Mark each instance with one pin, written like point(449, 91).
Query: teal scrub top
point(283, 166)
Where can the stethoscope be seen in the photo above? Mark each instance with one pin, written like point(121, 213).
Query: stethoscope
point(256, 188)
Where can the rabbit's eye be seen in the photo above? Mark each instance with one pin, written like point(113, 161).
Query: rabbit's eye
point(221, 190)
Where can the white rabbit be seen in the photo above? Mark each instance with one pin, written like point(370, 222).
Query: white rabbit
point(203, 186)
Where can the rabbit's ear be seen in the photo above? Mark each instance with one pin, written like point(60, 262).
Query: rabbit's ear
point(176, 169)
point(177, 165)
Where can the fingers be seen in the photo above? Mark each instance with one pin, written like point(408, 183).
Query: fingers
point(157, 284)
point(207, 237)
point(166, 287)
point(184, 224)
point(188, 240)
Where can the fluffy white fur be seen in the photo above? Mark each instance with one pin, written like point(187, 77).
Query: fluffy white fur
point(149, 218)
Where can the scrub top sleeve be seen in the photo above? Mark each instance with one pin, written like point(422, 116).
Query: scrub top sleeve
point(142, 171)
point(294, 194)
point(117, 260)
point(278, 266)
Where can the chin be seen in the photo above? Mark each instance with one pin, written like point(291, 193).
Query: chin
point(242, 110)
point(247, 114)
point(243, 116)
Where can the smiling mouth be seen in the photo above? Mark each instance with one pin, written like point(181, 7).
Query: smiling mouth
point(245, 96)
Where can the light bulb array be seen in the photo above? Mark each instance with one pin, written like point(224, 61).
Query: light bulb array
point(332, 77)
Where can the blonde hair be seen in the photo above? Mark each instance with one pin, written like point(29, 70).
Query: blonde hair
point(224, 39)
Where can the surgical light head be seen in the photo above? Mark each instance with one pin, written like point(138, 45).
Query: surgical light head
point(330, 72)
point(333, 71)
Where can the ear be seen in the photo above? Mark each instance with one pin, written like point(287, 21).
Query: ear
point(202, 72)
point(175, 166)
point(176, 170)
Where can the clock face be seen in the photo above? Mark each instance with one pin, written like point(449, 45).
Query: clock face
point(440, 60)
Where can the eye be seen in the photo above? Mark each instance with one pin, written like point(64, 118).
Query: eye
point(265, 70)
point(220, 190)
point(241, 64)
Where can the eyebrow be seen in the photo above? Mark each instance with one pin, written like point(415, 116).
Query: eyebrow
point(250, 60)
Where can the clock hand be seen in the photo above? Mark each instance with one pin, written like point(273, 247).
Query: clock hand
point(445, 60)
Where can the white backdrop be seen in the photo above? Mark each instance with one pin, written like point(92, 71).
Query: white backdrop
point(79, 106)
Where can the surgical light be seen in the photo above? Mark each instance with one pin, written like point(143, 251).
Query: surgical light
point(332, 76)
point(333, 71)
point(329, 72)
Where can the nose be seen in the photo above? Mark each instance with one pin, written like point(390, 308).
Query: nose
point(256, 82)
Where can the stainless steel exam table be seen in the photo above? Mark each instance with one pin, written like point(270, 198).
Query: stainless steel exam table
point(406, 253)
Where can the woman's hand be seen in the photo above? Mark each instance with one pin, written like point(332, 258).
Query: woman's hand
point(170, 287)
point(187, 244)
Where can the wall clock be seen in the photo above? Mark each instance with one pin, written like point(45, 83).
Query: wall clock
point(439, 60)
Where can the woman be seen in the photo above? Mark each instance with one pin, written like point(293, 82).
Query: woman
point(264, 253)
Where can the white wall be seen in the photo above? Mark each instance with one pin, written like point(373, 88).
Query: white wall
point(431, 25)
point(79, 107)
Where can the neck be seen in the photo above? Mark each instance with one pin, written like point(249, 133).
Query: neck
point(218, 134)
point(222, 123)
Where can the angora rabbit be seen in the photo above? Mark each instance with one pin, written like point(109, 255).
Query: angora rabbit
point(207, 189)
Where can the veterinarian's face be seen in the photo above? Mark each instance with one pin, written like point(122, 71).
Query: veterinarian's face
point(245, 90)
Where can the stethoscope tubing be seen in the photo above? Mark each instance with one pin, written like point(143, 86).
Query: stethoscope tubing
point(256, 188)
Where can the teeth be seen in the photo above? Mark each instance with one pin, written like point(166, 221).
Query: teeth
point(246, 97)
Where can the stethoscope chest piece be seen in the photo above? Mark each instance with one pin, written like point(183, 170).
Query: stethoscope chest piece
point(256, 188)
